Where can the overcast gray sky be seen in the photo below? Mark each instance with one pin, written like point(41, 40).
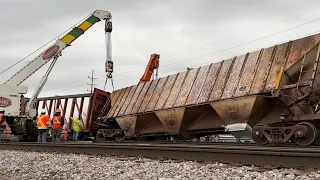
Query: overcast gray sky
point(187, 33)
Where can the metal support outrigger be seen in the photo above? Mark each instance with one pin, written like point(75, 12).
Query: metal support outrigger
point(31, 106)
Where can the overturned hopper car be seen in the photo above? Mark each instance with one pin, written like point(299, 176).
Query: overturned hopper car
point(275, 90)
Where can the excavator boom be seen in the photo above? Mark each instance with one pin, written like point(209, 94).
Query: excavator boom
point(152, 65)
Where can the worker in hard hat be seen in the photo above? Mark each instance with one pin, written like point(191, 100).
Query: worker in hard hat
point(77, 128)
point(57, 125)
point(43, 123)
point(3, 122)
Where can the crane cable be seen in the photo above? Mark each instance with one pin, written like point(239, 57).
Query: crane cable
point(105, 84)
point(105, 106)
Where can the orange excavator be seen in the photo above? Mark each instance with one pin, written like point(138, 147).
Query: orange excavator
point(153, 64)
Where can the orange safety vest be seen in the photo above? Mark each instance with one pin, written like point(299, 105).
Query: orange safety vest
point(43, 121)
point(56, 122)
point(4, 123)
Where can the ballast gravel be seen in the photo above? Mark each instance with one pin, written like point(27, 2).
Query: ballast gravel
point(41, 165)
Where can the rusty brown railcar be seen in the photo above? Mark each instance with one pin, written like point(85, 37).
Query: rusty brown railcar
point(275, 90)
point(87, 107)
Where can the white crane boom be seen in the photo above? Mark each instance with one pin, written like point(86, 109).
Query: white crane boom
point(55, 49)
point(53, 52)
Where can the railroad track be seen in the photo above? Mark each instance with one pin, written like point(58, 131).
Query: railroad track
point(283, 156)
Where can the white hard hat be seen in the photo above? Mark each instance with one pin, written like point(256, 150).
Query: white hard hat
point(43, 111)
point(1, 109)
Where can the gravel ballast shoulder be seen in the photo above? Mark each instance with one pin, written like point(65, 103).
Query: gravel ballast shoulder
point(40, 165)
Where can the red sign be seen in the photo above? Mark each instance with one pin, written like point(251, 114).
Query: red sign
point(4, 102)
point(50, 52)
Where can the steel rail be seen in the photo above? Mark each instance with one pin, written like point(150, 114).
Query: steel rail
point(244, 155)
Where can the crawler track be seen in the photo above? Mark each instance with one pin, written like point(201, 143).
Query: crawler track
point(285, 156)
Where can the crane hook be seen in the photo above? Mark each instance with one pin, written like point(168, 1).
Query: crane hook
point(108, 26)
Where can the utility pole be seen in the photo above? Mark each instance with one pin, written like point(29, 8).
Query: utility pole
point(91, 82)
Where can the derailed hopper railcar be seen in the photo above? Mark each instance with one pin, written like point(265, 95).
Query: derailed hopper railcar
point(274, 90)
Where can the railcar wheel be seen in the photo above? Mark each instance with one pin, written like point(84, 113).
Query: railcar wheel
point(99, 137)
point(309, 137)
point(257, 135)
point(120, 136)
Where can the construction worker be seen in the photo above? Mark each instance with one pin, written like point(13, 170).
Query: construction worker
point(57, 125)
point(77, 128)
point(43, 123)
point(3, 123)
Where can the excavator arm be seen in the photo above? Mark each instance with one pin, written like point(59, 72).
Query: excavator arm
point(153, 64)
point(58, 47)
